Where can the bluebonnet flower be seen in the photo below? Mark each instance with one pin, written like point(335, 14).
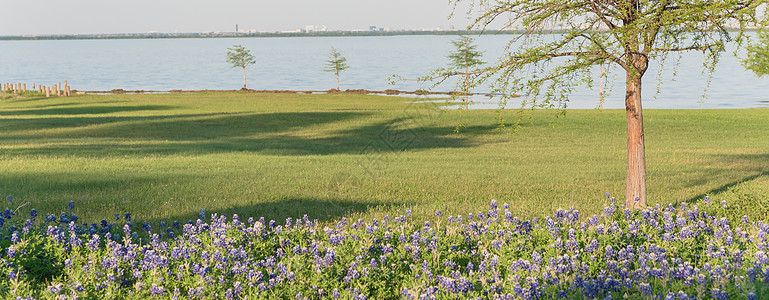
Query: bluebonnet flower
point(157, 290)
point(609, 210)
point(645, 288)
point(33, 213)
point(221, 252)
point(54, 289)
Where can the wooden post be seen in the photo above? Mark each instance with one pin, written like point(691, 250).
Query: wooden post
point(47, 91)
point(58, 89)
point(24, 88)
point(67, 91)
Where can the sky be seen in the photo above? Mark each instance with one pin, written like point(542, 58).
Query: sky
point(40, 17)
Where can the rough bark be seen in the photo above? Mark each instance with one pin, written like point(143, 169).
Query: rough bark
point(635, 194)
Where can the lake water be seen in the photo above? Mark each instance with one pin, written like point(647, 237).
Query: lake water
point(296, 63)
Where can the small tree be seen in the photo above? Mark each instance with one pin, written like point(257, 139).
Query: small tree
point(463, 58)
point(758, 55)
point(240, 57)
point(627, 33)
point(336, 63)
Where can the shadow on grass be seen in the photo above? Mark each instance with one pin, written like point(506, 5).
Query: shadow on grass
point(89, 110)
point(758, 163)
point(279, 133)
point(52, 193)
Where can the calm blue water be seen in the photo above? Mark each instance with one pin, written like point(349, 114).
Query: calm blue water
point(297, 64)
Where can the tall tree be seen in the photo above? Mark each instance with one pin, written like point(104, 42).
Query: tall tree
point(240, 57)
point(626, 33)
point(336, 63)
point(465, 57)
point(758, 55)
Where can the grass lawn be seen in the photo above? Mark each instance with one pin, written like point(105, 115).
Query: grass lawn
point(166, 156)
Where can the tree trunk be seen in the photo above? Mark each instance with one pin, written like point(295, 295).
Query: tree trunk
point(467, 86)
point(636, 157)
point(337, 81)
point(600, 90)
point(244, 78)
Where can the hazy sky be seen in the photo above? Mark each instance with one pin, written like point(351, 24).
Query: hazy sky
point(137, 16)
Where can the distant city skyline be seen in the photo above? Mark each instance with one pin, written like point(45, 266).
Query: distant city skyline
point(51, 17)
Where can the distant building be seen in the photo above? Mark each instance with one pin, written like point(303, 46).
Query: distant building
point(315, 28)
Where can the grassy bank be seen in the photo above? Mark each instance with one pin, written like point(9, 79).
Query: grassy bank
point(166, 156)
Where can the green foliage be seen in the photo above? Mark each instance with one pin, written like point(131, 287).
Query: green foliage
point(626, 33)
point(240, 57)
point(39, 257)
point(465, 54)
point(758, 55)
point(464, 57)
point(336, 63)
point(700, 248)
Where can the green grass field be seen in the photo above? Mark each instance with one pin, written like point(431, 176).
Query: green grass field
point(166, 156)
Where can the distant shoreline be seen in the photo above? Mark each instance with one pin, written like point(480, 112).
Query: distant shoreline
point(198, 35)
point(390, 92)
point(114, 36)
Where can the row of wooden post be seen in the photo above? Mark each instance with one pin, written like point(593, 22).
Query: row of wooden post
point(55, 90)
